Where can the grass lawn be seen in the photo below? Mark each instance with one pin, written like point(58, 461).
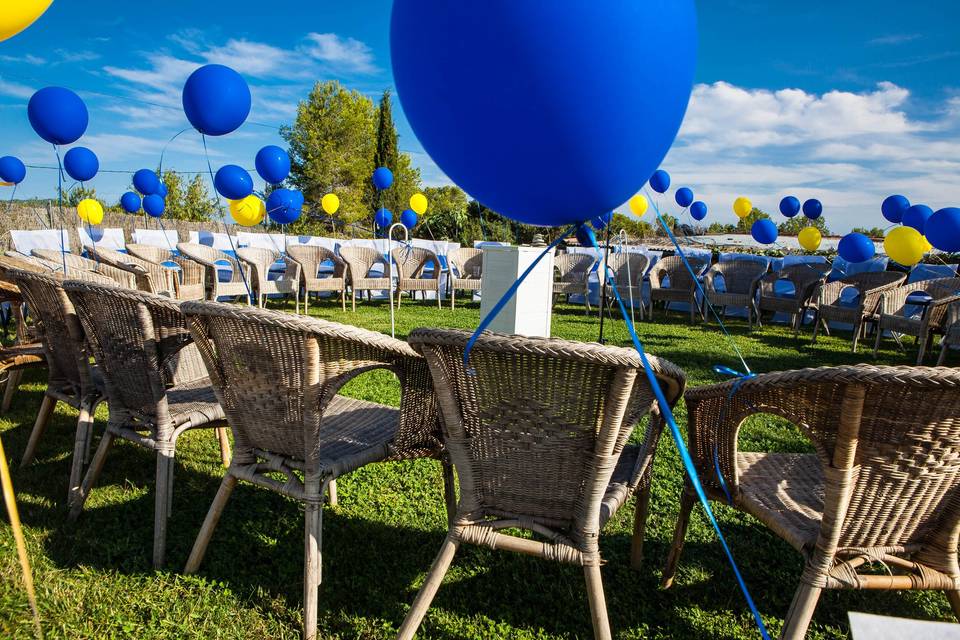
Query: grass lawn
point(94, 578)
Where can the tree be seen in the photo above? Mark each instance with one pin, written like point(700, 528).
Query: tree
point(73, 197)
point(746, 223)
point(795, 225)
point(719, 227)
point(873, 232)
point(190, 202)
point(446, 211)
point(634, 227)
point(406, 178)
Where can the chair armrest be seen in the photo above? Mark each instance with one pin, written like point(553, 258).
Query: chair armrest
point(708, 279)
point(190, 271)
point(937, 311)
point(293, 269)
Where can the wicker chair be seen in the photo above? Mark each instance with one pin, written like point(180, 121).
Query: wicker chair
point(869, 285)
point(628, 271)
point(681, 288)
point(78, 264)
point(359, 262)
point(465, 272)
point(150, 277)
point(411, 263)
point(741, 280)
point(310, 258)
point(190, 282)
point(70, 377)
point(212, 261)
point(951, 332)
point(806, 280)
point(881, 488)
point(26, 352)
point(260, 260)
point(572, 272)
point(299, 427)
point(538, 437)
point(155, 383)
point(898, 316)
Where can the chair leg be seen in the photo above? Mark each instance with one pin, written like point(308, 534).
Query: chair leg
point(954, 598)
point(224, 443)
point(93, 473)
point(13, 382)
point(922, 349)
point(354, 292)
point(312, 566)
point(332, 492)
point(39, 426)
point(430, 586)
point(453, 299)
point(439, 305)
point(857, 332)
point(164, 493)
point(343, 300)
point(80, 447)
point(876, 342)
point(449, 491)
point(943, 355)
point(639, 527)
point(816, 328)
point(687, 500)
point(210, 523)
point(598, 604)
point(801, 612)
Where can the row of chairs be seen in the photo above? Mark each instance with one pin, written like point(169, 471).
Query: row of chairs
point(879, 489)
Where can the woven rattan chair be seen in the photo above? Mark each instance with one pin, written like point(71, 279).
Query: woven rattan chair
point(26, 352)
point(298, 426)
point(213, 261)
point(190, 282)
point(259, 261)
point(830, 307)
point(670, 281)
point(628, 271)
point(310, 258)
point(150, 277)
point(77, 264)
point(70, 377)
point(951, 332)
point(806, 280)
point(538, 436)
point(741, 280)
point(465, 272)
point(572, 275)
point(898, 316)
point(155, 383)
point(881, 488)
point(360, 260)
point(411, 264)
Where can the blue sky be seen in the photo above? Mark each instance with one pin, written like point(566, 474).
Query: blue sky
point(844, 101)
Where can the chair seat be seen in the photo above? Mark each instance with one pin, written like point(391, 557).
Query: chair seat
point(419, 284)
point(323, 284)
point(724, 299)
point(785, 492)
point(356, 432)
point(19, 356)
point(467, 284)
point(194, 402)
point(672, 295)
point(621, 485)
point(371, 283)
point(901, 324)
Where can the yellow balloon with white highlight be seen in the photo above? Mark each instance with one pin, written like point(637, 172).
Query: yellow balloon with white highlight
point(418, 202)
point(905, 245)
point(810, 238)
point(330, 203)
point(17, 15)
point(248, 211)
point(90, 211)
point(639, 205)
point(742, 207)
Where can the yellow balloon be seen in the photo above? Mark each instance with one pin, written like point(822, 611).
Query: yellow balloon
point(927, 247)
point(638, 205)
point(17, 15)
point(6, 184)
point(248, 211)
point(742, 207)
point(330, 203)
point(418, 202)
point(905, 245)
point(809, 238)
point(90, 211)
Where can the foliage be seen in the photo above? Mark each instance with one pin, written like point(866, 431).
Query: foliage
point(746, 223)
point(73, 197)
point(796, 224)
point(190, 201)
point(873, 232)
point(406, 178)
point(719, 227)
point(446, 211)
point(635, 227)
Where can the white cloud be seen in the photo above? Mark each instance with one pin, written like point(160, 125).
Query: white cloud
point(345, 55)
point(24, 59)
point(15, 89)
point(896, 38)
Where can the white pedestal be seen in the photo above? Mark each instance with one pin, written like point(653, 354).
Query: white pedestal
point(528, 312)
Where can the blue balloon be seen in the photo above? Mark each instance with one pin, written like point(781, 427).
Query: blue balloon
point(548, 155)
point(162, 190)
point(856, 247)
point(12, 170)
point(283, 206)
point(943, 229)
point(585, 236)
point(764, 231)
point(894, 207)
point(233, 182)
point(698, 210)
point(95, 232)
point(154, 205)
point(130, 202)
point(660, 181)
point(812, 209)
point(684, 197)
point(409, 218)
point(216, 100)
point(602, 221)
point(273, 164)
point(146, 182)
point(917, 216)
point(58, 115)
point(382, 178)
point(382, 218)
point(81, 164)
point(297, 200)
point(790, 206)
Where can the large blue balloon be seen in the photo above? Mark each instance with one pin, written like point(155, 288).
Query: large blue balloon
point(660, 181)
point(382, 178)
point(154, 205)
point(81, 164)
point(409, 218)
point(130, 202)
point(273, 164)
point(12, 170)
point(790, 206)
point(894, 207)
point(162, 190)
point(585, 236)
point(382, 218)
point(601, 222)
point(684, 197)
point(943, 229)
point(856, 247)
point(283, 205)
point(146, 182)
point(917, 216)
point(216, 100)
point(812, 208)
point(58, 115)
point(764, 231)
point(570, 130)
point(698, 210)
point(233, 182)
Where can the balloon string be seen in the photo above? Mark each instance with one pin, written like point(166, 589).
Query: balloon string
point(63, 249)
point(164, 150)
point(688, 464)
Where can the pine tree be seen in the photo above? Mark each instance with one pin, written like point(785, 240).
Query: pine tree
point(406, 178)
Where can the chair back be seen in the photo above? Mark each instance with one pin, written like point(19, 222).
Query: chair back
point(311, 257)
point(573, 267)
point(896, 301)
point(674, 270)
point(261, 259)
point(628, 268)
point(360, 260)
point(803, 277)
point(412, 261)
point(150, 253)
point(739, 276)
point(78, 264)
point(149, 275)
point(466, 263)
point(536, 429)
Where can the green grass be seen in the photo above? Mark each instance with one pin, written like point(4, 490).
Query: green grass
point(94, 577)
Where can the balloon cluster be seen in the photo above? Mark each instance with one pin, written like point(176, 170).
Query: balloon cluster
point(921, 229)
point(12, 170)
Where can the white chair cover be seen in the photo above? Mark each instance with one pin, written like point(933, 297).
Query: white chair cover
point(27, 241)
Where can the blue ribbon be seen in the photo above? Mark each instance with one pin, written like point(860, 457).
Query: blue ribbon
point(741, 378)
